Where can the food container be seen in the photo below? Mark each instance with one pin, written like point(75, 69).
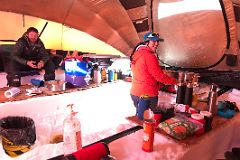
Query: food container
point(198, 117)
point(56, 85)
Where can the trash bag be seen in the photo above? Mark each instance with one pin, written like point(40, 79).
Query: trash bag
point(18, 134)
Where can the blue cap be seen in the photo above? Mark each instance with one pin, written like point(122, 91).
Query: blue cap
point(152, 37)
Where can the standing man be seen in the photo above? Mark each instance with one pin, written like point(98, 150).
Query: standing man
point(147, 71)
point(30, 54)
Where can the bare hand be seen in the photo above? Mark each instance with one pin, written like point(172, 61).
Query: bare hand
point(32, 64)
point(40, 64)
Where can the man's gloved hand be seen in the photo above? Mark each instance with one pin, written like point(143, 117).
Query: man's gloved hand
point(40, 64)
point(32, 64)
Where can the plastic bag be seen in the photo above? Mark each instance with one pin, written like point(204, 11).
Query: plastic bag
point(18, 134)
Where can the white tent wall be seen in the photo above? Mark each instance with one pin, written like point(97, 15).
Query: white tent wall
point(195, 37)
point(236, 4)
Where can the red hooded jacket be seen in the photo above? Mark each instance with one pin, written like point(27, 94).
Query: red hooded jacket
point(146, 72)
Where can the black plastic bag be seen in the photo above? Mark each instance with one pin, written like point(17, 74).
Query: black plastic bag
point(18, 134)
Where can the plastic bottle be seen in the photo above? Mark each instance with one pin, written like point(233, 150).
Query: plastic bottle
point(71, 133)
point(104, 74)
point(120, 76)
point(110, 75)
point(97, 76)
point(115, 75)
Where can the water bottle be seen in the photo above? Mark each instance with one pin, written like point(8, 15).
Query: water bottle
point(110, 75)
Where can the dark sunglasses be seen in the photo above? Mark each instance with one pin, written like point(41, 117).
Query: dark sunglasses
point(155, 35)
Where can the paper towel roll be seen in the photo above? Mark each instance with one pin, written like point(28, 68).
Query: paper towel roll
point(11, 92)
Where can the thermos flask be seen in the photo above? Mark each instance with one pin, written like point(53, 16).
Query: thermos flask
point(212, 108)
point(181, 88)
point(188, 94)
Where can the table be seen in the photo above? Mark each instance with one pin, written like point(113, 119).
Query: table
point(110, 104)
point(101, 110)
point(210, 145)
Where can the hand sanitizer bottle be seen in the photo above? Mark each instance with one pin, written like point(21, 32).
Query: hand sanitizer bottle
point(71, 133)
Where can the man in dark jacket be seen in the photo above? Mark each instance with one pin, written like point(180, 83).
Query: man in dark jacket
point(30, 54)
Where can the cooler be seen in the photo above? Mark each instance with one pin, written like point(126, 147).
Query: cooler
point(76, 72)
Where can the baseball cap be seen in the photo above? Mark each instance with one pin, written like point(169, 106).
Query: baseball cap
point(150, 36)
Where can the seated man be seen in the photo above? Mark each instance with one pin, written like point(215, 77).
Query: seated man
point(30, 54)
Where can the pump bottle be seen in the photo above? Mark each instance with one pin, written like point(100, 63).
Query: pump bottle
point(71, 133)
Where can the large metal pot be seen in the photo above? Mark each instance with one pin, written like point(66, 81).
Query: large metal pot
point(56, 85)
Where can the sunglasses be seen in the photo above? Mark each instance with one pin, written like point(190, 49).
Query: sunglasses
point(153, 35)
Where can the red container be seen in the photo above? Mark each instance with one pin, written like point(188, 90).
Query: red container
point(92, 152)
point(148, 135)
point(157, 118)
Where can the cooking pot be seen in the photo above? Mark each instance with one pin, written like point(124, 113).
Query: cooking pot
point(56, 85)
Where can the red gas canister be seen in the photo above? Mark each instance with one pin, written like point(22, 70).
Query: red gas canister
point(148, 135)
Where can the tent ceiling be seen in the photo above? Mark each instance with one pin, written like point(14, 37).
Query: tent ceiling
point(106, 20)
point(237, 2)
point(120, 23)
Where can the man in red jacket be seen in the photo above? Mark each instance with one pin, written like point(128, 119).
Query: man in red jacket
point(146, 71)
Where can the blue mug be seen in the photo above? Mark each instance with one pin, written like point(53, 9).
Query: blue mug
point(37, 82)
